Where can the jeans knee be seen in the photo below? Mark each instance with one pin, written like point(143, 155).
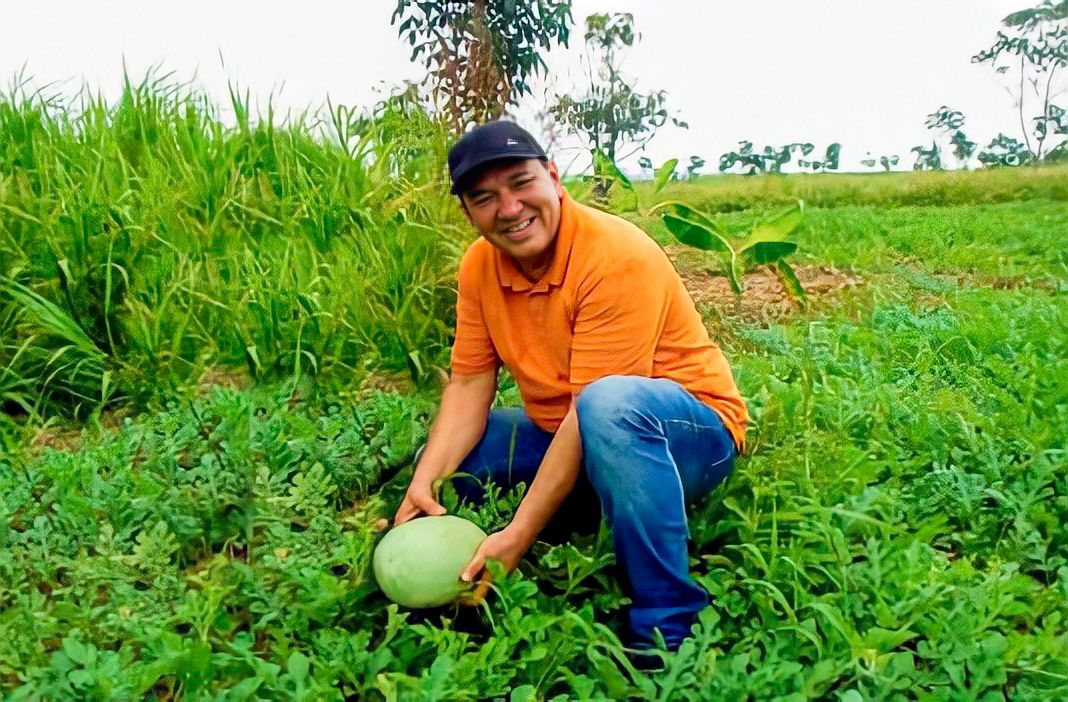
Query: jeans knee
point(602, 402)
point(610, 417)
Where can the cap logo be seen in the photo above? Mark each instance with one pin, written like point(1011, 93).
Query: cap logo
point(511, 142)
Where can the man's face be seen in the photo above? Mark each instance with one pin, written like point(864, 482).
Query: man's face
point(523, 194)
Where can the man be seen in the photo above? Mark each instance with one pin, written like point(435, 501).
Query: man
point(621, 385)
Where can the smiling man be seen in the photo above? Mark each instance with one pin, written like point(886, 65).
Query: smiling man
point(626, 400)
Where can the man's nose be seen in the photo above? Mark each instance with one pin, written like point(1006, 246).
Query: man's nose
point(510, 206)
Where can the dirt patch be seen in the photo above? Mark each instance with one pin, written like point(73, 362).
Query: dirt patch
point(58, 438)
point(1005, 283)
point(399, 382)
point(67, 436)
point(233, 377)
point(763, 296)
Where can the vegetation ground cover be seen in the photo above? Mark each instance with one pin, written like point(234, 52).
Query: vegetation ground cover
point(895, 532)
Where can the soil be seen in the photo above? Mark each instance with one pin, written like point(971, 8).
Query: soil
point(763, 296)
point(233, 377)
point(399, 382)
point(67, 436)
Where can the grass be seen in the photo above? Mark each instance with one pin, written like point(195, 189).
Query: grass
point(172, 244)
point(895, 532)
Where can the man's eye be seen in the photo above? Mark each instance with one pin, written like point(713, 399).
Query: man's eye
point(528, 181)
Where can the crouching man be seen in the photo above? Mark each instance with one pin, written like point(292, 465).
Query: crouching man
point(625, 397)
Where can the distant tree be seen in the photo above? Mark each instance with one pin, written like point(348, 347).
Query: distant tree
point(696, 163)
point(612, 114)
point(1034, 43)
point(886, 161)
point(927, 159)
point(480, 54)
point(829, 162)
point(946, 120)
point(772, 160)
point(1005, 150)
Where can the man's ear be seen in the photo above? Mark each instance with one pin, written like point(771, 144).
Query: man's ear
point(467, 213)
point(554, 176)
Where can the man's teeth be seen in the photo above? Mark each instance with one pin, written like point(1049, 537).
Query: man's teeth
point(520, 227)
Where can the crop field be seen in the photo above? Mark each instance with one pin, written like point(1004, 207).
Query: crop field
point(221, 347)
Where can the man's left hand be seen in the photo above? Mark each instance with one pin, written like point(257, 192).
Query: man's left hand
point(506, 546)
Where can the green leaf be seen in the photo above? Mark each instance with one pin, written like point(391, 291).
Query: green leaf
point(769, 251)
point(51, 317)
point(696, 235)
point(778, 226)
point(886, 640)
point(76, 651)
point(789, 280)
point(606, 167)
point(523, 693)
point(683, 211)
point(663, 174)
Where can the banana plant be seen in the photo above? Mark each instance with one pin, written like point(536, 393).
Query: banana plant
point(606, 173)
point(766, 244)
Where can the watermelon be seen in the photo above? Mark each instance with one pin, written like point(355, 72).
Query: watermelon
point(418, 563)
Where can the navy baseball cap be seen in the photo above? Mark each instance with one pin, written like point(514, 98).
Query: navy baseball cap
point(492, 141)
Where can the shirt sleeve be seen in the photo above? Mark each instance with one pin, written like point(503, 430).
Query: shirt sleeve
point(618, 321)
point(472, 350)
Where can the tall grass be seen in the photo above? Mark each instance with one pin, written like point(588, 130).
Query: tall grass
point(142, 241)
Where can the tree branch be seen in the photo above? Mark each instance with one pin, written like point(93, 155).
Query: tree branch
point(1023, 127)
point(1045, 110)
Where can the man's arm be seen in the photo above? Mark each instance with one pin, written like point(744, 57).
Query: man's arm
point(461, 420)
point(553, 482)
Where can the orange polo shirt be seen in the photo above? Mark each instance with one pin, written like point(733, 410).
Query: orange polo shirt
point(611, 303)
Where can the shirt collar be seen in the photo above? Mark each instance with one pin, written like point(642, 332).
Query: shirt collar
point(508, 273)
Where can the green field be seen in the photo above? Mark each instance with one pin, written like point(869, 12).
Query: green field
point(220, 348)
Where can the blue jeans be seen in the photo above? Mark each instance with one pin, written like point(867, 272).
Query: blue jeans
point(649, 448)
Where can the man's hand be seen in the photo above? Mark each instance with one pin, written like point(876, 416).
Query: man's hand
point(506, 546)
point(417, 501)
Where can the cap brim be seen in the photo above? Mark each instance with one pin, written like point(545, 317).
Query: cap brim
point(462, 177)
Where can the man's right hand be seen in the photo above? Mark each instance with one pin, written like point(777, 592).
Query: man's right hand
point(419, 500)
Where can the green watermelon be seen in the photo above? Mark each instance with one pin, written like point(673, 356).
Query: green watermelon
point(418, 563)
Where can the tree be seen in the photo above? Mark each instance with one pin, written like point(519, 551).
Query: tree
point(949, 121)
point(612, 113)
point(1004, 150)
point(481, 54)
point(771, 160)
point(1038, 37)
point(829, 162)
point(886, 161)
point(696, 163)
point(927, 159)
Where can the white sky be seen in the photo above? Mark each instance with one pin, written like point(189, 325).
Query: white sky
point(861, 72)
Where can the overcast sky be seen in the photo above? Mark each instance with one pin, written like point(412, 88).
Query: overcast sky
point(861, 72)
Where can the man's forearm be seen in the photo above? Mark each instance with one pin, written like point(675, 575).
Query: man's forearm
point(459, 425)
point(554, 480)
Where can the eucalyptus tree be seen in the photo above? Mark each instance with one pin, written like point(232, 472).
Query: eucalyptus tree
point(481, 54)
point(611, 114)
point(1034, 43)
